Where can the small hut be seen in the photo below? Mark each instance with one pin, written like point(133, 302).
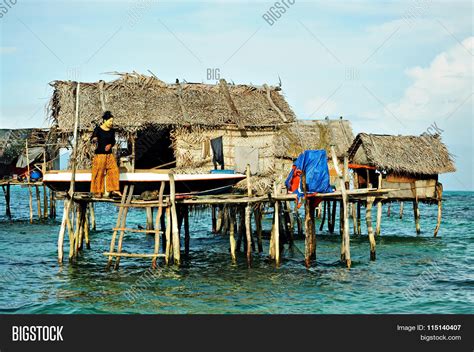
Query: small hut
point(408, 164)
point(171, 125)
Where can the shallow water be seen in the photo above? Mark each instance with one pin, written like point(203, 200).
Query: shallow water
point(412, 274)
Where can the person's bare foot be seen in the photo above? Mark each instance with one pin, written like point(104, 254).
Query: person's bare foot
point(115, 194)
point(97, 195)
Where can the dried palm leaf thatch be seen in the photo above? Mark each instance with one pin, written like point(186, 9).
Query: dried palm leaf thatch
point(136, 99)
point(415, 155)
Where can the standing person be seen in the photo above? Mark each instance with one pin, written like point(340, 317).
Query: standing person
point(104, 165)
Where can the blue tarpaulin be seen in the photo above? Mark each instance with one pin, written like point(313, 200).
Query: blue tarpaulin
point(315, 166)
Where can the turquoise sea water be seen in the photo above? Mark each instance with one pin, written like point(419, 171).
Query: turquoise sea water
point(412, 274)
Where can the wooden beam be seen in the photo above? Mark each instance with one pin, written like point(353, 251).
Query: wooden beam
point(273, 105)
point(235, 114)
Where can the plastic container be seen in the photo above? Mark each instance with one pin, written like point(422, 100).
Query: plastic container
point(222, 171)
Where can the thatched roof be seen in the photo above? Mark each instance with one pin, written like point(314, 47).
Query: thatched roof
point(137, 100)
point(12, 143)
point(315, 134)
point(422, 155)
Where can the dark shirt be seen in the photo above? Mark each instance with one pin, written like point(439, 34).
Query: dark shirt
point(103, 138)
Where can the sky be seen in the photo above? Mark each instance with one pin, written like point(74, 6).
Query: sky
point(401, 67)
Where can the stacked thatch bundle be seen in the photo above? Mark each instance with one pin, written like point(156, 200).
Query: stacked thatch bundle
point(137, 100)
point(412, 155)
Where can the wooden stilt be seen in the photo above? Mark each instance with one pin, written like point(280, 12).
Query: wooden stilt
point(308, 224)
point(379, 218)
point(86, 226)
point(38, 202)
point(248, 232)
point(389, 209)
point(6, 193)
point(333, 217)
point(219, 218)
point(240, 227)
point(439, 196)
point(401, 210)
point(70, 230)
point(258, 224)
point(174, 223)
point(368, 219)
point(52, 205)
point(299, 222)
point(341, 219)
point(168, 235)
point(359, 229)
point(158, 227)
point(214, 219)
point(30, 203)
point(416, 211)
point(232, 234)
point(354, 217)
point(287, 223)
point(149, 218)
point(186, 230)
point(276, 234)
point(92, 216)
point(45, 202)
point(62, 230)
point(321, 226)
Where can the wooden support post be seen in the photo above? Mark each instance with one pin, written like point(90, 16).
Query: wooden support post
point(168, 235)
point(370, 231)
point(288, 226)
point(6, 193)
point(439, 196)
point(52, 205)
point(86, 226)
point(332, 223)
point(232, 233)
point(321, 226)
point(416, 210)
point(276, 234)
point(354, 217)
point(68, 202)
point(92, 216)
point(359, 229)
point(186, 230)
point(38, 202)
point(379, 218)
point(258, 224)
point(248, 233)
point(134, 136)
point(123, 223)
point(389, 209)
point(240, 227)
point(214, 219)
point(345, 243)
point(149, 218)
point(45, 202)
point(174, 222)
point(30, 203)
point(310, 248)
point(70, 229)
point(341, 218)
point(401, 210)
point(158, 227)
point(219, 218)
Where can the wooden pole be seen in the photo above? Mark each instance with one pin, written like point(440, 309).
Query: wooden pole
point(133, 152)
point(158, 227)
point(174, 222)
point(332, 223)
point(379, 218)
point(321, 226)
point(258, 224)
point(439, 196)
point(86, 226)
point(92, 216)
point(416, 210)
point(370, 231)
point(214, 219)
point(149, 218)
point(359, 229)
point(52, 205)
point(248, 215)
point(68, 202)
point(186, 230)
point(232, 234)
point(123, 221)
point(401, 210)
point(45, 202)
point(38, 202)
point(308, 224)
point(168, 235)
point(70, 231)
point(6, 193)
point(276, 235)
point(345, 246)
point(389, 209)
point(354, 217)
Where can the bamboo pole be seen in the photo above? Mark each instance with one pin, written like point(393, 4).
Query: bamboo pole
point(38, 202)
point(174, 222)
point(389, 209)
point(354, 217)
point(258, 225)
point(168, 235)
point(308, 224)
point(28, 180)
point(370, 231)
point(52, 205)
point(117, 225)
point(321, 226)
point(401, 210)
point(92, 216)
point(70, 231)
point(68, 202)
point(287, 223)
point(439, 196)
point(345, 246)
point(379, 218)
point(158, 227)
point(149, 218)
point(219, 219)
point(248, 214)
point(186, 230)
point(232, 234)
point(276, 237)
point(123, 223)
point(86, 226)
point(416, 210)
point(214, 219)
point(6, 193)
point(333, 217)
point(45, 202)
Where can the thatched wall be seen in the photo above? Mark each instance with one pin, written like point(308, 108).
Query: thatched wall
point(137, 100)
point(416, 155)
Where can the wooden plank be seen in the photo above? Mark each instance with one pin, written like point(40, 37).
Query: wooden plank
point(122, 224)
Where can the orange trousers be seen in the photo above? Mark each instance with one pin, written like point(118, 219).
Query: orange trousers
point(105, 167)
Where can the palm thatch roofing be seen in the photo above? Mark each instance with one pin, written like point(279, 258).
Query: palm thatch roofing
point(137, 100)
point(416, 155)
point(12, 143)
point(314, 134)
